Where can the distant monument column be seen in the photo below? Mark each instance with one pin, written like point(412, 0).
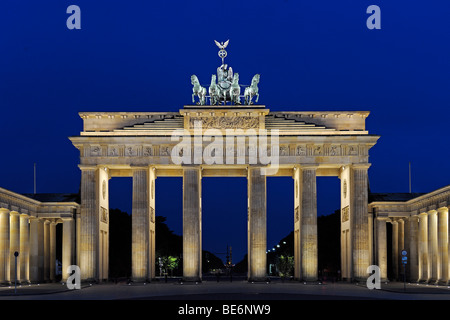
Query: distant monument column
point(140, 225)
point(257, 220)
point(192, 222)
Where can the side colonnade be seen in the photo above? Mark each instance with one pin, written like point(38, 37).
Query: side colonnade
point(32, 236)
point(420, 227)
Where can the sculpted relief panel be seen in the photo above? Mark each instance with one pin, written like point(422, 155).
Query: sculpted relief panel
point(225, 122)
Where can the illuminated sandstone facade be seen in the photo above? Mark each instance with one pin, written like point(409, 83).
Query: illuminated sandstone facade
point(301, 145)
point(420, 226)
point(28, 226)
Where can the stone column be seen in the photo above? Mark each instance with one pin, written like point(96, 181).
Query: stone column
point(24, 255)
point(371, 231)
point(442, 257)
point(67, 242)
point(89, 225)
point(151, 242)
point(382, 247)
point(423, 246)
point(359, 225)
point(297, 201)
point(192, 222)
point(432, 246)
point(257, 220)
point(395, 250)
point(4, 246)
point(34, 250)
point(411, 246)
point(78, 237)
point(46, 250)
point(140, 225)
point(52, 254)
point(14, 245)
point(40, 226)
point(308, 225)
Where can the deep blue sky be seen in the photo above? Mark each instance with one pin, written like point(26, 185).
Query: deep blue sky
point(139, 56)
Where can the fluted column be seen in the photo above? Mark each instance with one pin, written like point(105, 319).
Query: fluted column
point(152, 226)
point(89, 225)
point(46, 250)
point(192, 222)
point(140, 225)
point(297, 201)
point(40, 223)
point(442, 258)
point(67, 246)
point(308, 224)
point(382, 247)
point(52, 261)
point(359, 224)
point(423, 246)
point(14, 245)
point(395, 250)
point(4, 246)
point(432, 246)
point(411, 246)
point(24, 255)
point(257, 229)
point(34, 250)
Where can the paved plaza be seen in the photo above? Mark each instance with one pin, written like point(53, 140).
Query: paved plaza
point(226, 290)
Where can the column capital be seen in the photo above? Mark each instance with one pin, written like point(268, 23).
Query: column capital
point(14, 213)
point(4, 210)
point(308, 167)
point(361, 166)
point(87, 167)
point(442, 209)
point(432, 212)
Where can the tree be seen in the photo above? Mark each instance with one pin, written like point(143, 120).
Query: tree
point(285, 265)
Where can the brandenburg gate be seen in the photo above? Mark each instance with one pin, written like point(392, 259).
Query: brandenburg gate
point(225, 133)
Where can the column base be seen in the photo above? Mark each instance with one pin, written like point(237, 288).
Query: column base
point(191, 279)
point(258, 279)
